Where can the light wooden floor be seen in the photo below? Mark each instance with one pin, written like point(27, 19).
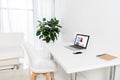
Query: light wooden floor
point(24, 74)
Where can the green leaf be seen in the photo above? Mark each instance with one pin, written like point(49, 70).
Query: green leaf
point(56, 22)
point(41, 36)
point(47, 29)
point(52, 20)
point(52, 37)
point(55, 35)
point(47, 39)
point(39, 22)
point(57, 30)
point(45, 33)
point(59, 26)
point(49, 23)
point(44, 19)
point(38, 33)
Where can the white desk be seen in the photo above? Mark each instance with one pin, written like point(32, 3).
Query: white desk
point(73, 63)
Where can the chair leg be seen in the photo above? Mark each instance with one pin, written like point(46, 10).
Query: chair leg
point(52, 76)
point(47, 76)
point(33, 76)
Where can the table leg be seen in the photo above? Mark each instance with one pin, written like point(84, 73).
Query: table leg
point(73, 76)
point(112, 73)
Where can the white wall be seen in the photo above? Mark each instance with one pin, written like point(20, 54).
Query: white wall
point(98, 18)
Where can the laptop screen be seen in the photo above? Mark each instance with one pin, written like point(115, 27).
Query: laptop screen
point(81, 40)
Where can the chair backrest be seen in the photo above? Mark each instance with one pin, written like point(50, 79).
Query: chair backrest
point(31, 52)
point(11, 39)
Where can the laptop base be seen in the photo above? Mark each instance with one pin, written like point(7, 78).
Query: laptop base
point(74, 48)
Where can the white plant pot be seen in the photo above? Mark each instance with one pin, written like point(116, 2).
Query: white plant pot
point(46, 47)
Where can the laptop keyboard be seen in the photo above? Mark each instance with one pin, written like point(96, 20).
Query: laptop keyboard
point(78, 47)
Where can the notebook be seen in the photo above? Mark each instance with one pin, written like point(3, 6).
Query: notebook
point(106, 56)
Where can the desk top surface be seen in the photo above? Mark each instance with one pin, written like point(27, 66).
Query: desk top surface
point(80, 62)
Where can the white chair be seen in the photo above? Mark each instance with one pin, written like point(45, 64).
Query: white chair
point(38, 65)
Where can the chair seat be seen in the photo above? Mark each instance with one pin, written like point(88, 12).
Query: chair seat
point(43, 66)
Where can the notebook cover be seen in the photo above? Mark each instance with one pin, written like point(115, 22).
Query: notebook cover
point(106, 56)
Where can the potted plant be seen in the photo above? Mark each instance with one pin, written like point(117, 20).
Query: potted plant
point(48, 30)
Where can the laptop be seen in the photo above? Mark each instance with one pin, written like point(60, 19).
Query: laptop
point(81, 42)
